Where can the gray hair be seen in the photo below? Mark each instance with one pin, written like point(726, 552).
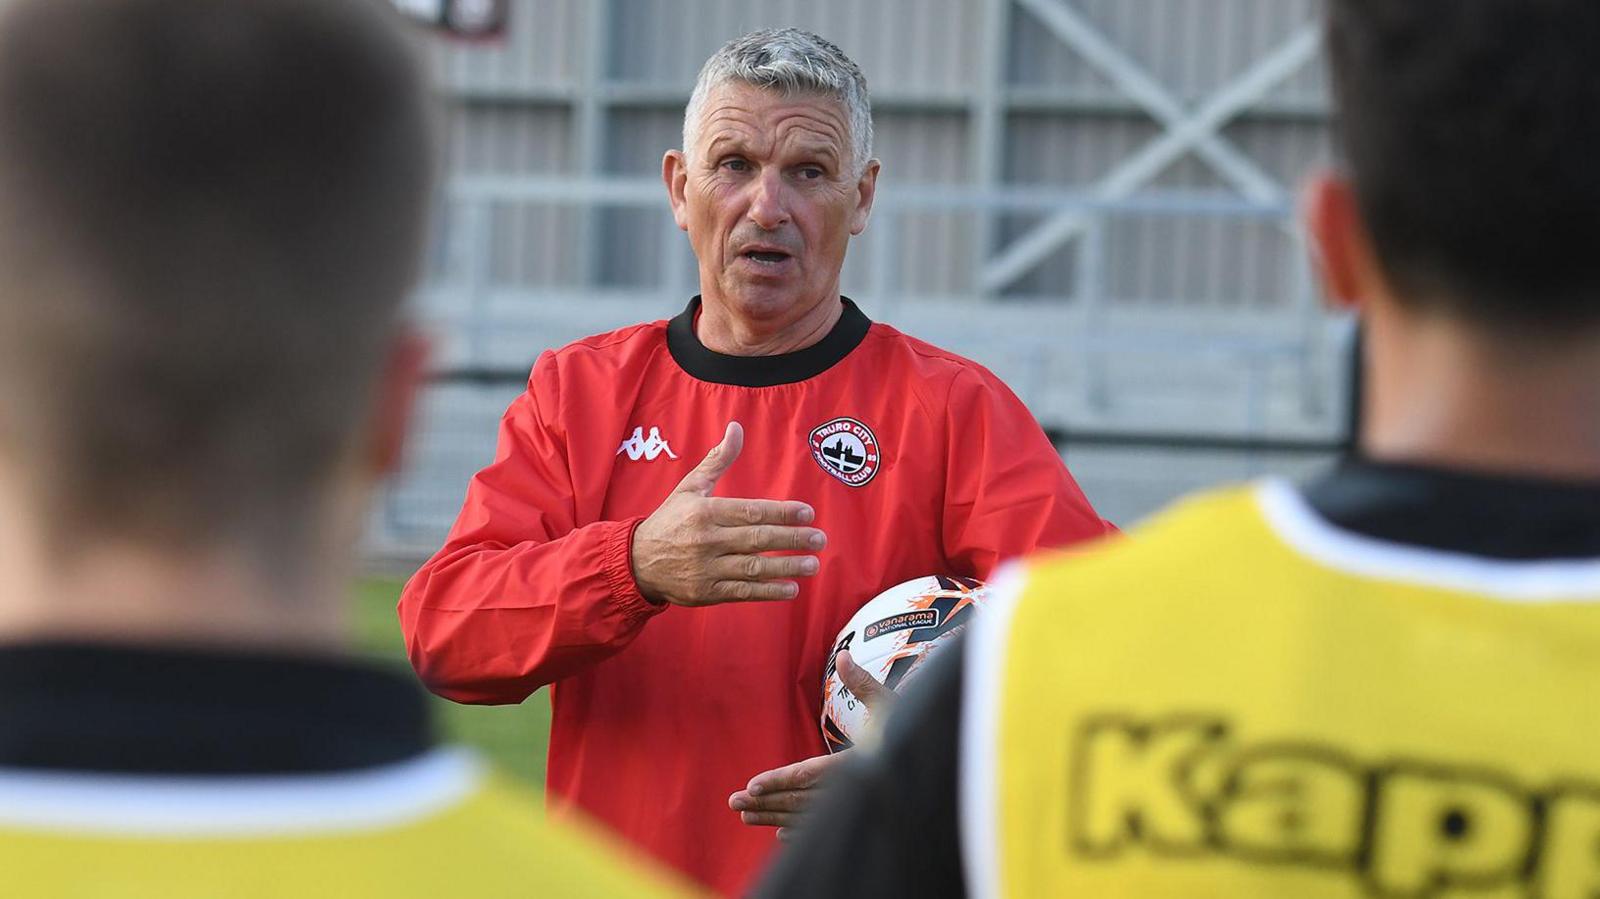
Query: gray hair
point(791, 61)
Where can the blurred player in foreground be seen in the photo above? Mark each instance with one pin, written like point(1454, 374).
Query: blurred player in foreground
point(209, 215)
point(664, 567)
point(1382, 684)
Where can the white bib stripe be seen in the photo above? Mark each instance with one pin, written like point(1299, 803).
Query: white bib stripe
point(192, 807)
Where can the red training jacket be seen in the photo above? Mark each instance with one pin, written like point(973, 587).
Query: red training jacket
point(916, 461)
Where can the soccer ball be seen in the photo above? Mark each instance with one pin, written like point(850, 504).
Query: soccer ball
point(890, 637)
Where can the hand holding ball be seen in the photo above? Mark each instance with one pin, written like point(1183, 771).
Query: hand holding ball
point(889, 639)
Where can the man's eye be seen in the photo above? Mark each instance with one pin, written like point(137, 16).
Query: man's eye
point(736, 165)
point(811, 173)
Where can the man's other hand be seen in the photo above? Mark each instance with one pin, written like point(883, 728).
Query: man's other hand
point(701, 550)
point(778, 798)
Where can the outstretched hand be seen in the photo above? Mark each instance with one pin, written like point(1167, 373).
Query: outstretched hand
point(779, 797)
point(698, 550)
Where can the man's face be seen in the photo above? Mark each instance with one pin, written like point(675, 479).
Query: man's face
point(769, 199)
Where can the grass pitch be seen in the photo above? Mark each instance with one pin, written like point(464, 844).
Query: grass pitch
point(514, 737)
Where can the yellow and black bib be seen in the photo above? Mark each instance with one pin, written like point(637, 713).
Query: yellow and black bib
point(433, 827)
point(1247, 701)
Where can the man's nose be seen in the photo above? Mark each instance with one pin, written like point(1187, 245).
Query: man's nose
point(769, 202)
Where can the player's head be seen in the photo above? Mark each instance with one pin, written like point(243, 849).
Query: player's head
point(776, 171)
point(1471, 132)
point(210, 213)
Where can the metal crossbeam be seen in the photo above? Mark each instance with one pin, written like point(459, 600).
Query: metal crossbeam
point(1195, 131)
point(1139, 85)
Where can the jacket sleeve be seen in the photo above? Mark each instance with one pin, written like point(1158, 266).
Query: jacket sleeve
point(522, 594)
point(1007, 491)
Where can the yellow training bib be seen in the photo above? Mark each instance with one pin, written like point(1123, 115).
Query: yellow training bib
point(1244, 701)
point(430, 829)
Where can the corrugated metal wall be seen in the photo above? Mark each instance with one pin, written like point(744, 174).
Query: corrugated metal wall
point(1063, 124)
point(1180, 306)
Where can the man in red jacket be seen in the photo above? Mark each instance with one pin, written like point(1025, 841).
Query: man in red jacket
point(685, 632)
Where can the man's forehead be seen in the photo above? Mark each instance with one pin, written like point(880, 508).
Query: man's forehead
point(744, 112)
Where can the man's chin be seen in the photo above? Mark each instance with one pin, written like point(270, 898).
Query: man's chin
point(760, 301)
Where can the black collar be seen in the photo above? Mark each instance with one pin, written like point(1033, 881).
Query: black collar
point(764, 371)
point(146, 711)
point(1495, 516)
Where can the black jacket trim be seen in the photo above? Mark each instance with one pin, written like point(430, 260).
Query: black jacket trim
point(764, 371)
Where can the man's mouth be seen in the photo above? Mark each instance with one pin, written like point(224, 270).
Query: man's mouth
point(766, 256)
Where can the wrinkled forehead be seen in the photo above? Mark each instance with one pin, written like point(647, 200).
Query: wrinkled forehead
point(766, 118)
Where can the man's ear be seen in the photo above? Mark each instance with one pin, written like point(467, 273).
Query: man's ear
point(1340, 245)
point(395, 399)
point(866, 192)
point(675, 175)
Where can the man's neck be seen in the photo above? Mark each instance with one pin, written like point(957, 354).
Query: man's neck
point(249, 591)
point(132, 596)
point(723, 330)
point(1444, 393)
point(110, 591)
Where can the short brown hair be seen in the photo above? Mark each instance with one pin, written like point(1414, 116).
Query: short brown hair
point(210, 213)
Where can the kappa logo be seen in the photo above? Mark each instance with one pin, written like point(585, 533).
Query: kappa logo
point(846, 449)
point(1187, 787)
point(647, 448)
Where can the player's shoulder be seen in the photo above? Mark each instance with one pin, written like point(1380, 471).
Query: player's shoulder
point(500, 833)
point(941, 378)
point(1197, 536)
point(617, 343)
point(438, 825)
point(935, 359)
point(603, 354)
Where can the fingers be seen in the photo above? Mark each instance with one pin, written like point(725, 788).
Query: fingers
point(771, 537)
point(867, 688)
point(770, 819)
point(778, 797)
point(746, 512)
point(802, 775)
point(703, 479)
point(782, 809)
point(781, 801)
point(764, 568)
point(753, 591)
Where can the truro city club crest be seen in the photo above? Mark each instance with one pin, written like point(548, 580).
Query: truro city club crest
point(846, 449)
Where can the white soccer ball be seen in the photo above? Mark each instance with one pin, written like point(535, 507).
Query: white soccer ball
point(891, 637)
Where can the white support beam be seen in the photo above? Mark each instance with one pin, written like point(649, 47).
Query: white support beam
point(1092, 44)
point(588, 132)
point(986, 134)
point(1189, 132)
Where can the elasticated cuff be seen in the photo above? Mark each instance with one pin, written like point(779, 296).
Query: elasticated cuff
point(616, 563)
